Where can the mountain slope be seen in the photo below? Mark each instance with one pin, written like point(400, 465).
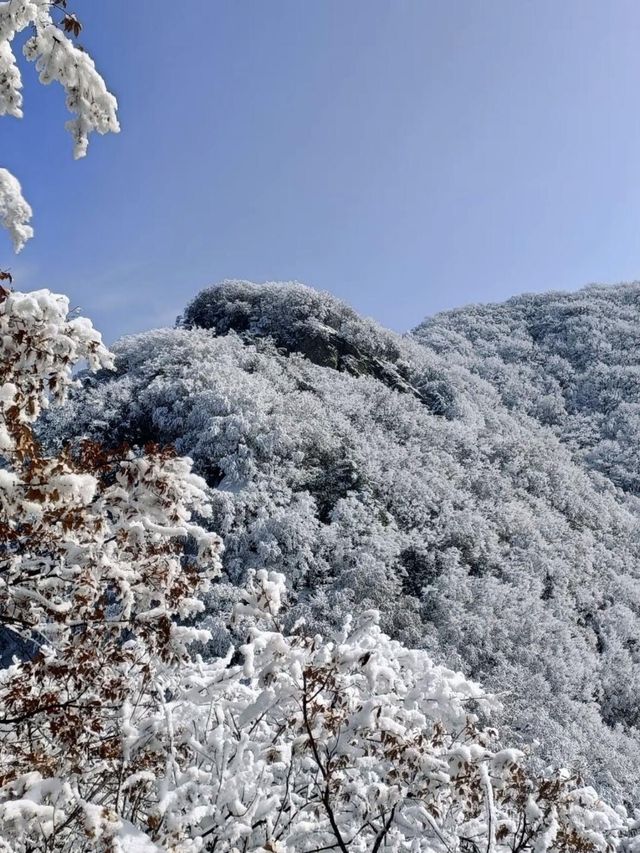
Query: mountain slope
point(377, 470)
point(570, 360)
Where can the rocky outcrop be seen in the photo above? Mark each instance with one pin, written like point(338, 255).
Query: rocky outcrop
point(319, 327)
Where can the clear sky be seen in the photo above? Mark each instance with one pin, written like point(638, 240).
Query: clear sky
point(407, 155)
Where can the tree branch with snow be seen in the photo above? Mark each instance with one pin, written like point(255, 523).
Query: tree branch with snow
point(57, 59)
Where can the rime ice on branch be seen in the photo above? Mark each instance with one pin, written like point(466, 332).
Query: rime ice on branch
point(56, 58)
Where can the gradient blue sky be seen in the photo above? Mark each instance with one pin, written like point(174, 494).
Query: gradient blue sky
point(407, 155)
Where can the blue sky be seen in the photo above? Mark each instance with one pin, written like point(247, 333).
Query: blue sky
point(407, 155)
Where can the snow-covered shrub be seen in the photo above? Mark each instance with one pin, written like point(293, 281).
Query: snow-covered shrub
point(352, 743)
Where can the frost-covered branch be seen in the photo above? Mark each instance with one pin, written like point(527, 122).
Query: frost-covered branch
point(15, 212)
point(57, 59)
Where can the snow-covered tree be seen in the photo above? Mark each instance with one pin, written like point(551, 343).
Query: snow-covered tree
point(57, 59)
point(100, 561)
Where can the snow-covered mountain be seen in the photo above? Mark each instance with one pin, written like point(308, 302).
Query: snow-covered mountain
point(477, 481)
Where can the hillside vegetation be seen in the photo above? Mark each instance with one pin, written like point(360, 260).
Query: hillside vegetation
point(571, 361)
point(476, 481)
